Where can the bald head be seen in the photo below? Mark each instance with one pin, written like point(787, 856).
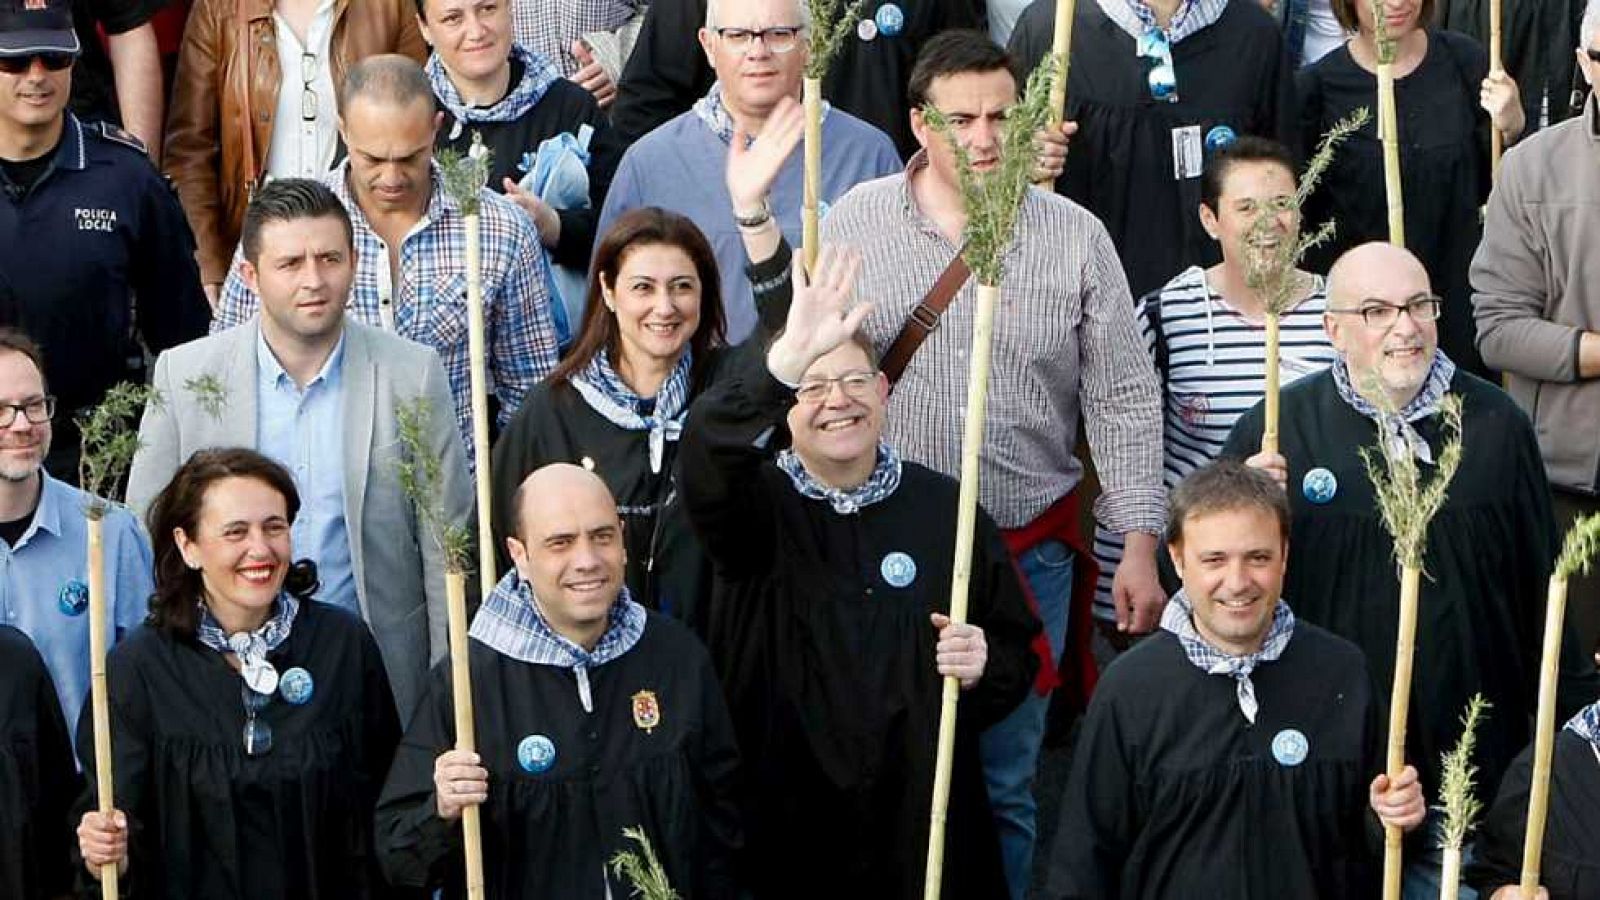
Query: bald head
point(559, 486)
point(389, 79)
point(1382, 318)
point(569, 549)
point(1375, 270)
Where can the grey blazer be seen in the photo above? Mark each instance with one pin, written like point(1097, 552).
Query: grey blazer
point(399, 569)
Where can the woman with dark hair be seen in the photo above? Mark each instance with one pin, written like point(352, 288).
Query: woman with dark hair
point(252, 726)
point(652, 339)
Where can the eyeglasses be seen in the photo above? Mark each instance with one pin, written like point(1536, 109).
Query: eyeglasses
point(308, 96)
point(855, 385)
point(257, 733)
point(1594, 55)
point(779, 39)
point(1377, 314)
point(37, 411)
point(1163, 78)
point(52, 62)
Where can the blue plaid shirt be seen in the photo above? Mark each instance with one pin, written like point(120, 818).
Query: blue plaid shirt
point(430, 296)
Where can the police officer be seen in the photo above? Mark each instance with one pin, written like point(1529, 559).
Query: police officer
point(85, 222)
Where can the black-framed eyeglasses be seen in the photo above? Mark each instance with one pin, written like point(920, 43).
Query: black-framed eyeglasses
point(52, 62)
point(855, 385)
point(778, 39)
point(257, 733)
point(1378, 314)
point(36, 411)
point(1594, 55)
point(308, 94)
point(1163, 78)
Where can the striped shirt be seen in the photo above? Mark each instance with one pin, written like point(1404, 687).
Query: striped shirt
point(1065, 340)
point(1216, 372)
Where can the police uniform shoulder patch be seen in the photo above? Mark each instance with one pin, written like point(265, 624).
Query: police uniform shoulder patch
point(117, 135)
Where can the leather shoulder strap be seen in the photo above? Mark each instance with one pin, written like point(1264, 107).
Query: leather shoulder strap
point(924, 318)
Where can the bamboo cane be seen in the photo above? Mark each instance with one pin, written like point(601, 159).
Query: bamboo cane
point(461, 692)
point(1458, 797)
point(1061, 49)
point(1399, 708)
point(99, 696)
point(1269, 432)
point(809, 209)
point(1544, 738)
point(966, 517)
point(1389, 133)
point(1496, 139)
point(481, 450)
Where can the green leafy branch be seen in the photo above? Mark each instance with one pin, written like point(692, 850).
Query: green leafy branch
point(643, 869)
point(1457, 793)
point(1578, 550)
point(993, 199)
point(829, 25)
point(210, 394)
point(109, 439)
point(419, 470)
point(1405, 502)
point(465, 174)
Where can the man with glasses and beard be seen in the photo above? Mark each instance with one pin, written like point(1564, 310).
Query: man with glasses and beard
point(1489, 549)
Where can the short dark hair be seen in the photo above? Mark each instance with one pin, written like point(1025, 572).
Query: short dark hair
point(953, 52)
point(386, 78)
point(179, 589)
point(17, 341)
point(287, 199)
point(1225, 485)
point(1247, 148)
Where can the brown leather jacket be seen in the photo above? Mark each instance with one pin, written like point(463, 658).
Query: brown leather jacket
point(225, 95)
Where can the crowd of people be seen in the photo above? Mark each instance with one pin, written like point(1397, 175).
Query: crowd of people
point(723, 483)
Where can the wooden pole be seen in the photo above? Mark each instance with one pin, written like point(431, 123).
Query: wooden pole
point(481, 451)
point(1269, 433)
point(810, 213)
point(1389, 133)
point(1450, 875)
point(1399, 708)
point(99, 696)
point(1061, 49)
point(461, 691)
point(1496, 139)
point(966, 517)
point(1544, 737)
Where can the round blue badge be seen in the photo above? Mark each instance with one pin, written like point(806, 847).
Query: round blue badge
point(74, 598)
point(1319, 485)
point(1219, 137)
point(1290, 747)
point(297, 686)
point(891, 20)
point(536, 754)
point(898, 569)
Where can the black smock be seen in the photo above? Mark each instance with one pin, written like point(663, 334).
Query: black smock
point(1444, 170)
point(668, 72)
point(1486, 564)
point(1569, 867)
point(1174, 794)
point(550, 834)
point(38, 780)
point(829, 668)
point(1233, 72)
point(563, 109)
point(208, 822)
point(667, 570)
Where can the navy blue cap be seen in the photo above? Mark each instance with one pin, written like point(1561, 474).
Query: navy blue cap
point(29, 27)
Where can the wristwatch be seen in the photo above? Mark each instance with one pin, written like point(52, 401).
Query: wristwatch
point(756, 219)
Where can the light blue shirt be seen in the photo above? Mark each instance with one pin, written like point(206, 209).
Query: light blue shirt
point(44, 585)
point(304, 430)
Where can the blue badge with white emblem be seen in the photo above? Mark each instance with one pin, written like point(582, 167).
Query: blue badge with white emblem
point(1220, 137)
point(297, 686)
point(1290, 747)
point(74, 598)
point(891, 20)
point(898, 569)
point(536, 754)
point(1319, 485)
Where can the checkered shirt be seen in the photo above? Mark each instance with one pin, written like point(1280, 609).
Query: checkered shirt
point(548, 27)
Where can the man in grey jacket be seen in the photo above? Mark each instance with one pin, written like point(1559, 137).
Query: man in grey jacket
point(1536, 294)
point(319, 394)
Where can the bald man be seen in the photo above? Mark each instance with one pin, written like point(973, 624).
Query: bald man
point(592, 715)
point(1489, 548)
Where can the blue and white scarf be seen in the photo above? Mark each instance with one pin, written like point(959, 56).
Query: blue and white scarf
point(1179, 619)
point(509, 622)
point(606, 393)
point(1135, 17)
point(1586, 724)
point(537, 75)
point(714, 113)
point(252, 647)
point(880, 484)
point(1397, 429)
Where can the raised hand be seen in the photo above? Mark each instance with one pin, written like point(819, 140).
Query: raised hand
point(820, 318)
point(753, 168)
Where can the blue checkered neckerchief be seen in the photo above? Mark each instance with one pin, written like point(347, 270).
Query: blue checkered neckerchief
point(1179, 619)
point(1397, 429)
point(1135, 17)
point(880, 484)
point(537, 75)
point(714, 113)
point(510, 622)
point(251, 647)
point(606, 393)
point(1586, 724)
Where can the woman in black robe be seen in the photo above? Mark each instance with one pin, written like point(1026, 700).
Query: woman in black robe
point(1444, 151)
point(651, 341)
point(38, 781)
point(251, 725)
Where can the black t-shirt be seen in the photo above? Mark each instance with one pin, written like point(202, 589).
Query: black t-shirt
point(12, 531)
point(94, 93)
point(25, 173)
